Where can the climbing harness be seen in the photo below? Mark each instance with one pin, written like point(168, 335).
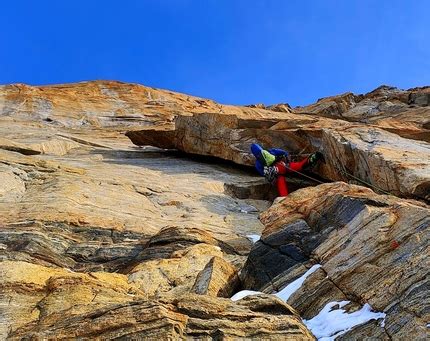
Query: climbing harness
point(337, 165)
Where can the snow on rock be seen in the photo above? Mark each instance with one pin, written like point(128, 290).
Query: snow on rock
point(291, 288)
point(331, 323)
point(241, 294)
point(285, 293)
point(253, 237)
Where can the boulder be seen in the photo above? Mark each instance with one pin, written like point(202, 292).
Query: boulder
point(196, 316)
point(218, 278)
point(333, 106)
point(371, 249)
point(177, 273)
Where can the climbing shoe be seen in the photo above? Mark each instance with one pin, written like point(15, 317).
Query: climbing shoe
point(270, 173)
point(314, 158)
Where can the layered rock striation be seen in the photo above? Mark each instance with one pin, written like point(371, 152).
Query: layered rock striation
point(369, 155)
point(372, 249)
point(102, 239)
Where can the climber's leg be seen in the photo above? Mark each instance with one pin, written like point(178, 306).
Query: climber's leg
point(281, 181)
point(281, 167)
point(259, 166)
point(281, 184)
point(298, 166)
point(256, 149)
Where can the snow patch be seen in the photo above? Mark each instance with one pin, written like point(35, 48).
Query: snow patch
point(291, 288)
point(253, 237)
point(130, 240)
point(329, 324)
point(241, 294)
point(285, 293)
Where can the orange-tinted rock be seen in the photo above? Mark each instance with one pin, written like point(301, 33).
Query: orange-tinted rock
point(218, 278)
point(404, 112)
point(350, 231)
point(101, 239)
point(354, 152)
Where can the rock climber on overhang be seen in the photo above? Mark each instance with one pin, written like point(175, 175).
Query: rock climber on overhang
point(275, 163)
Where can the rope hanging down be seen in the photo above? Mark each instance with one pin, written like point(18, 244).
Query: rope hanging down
point(342, 170)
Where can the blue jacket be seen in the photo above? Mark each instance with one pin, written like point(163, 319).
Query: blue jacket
point(260, 162)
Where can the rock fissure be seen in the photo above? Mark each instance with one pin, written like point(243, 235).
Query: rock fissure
point(345, 293)
point(102, 239)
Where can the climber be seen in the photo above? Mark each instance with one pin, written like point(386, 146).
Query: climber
point(275, 163)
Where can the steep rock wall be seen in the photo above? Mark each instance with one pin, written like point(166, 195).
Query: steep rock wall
point(353, 151)
point(102, 239)
point(371, 248)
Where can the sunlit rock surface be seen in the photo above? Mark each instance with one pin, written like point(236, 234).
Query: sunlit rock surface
point(91, 224)
point(100, 238)
point(404, 112)
point(371, 248)
point(367, 155)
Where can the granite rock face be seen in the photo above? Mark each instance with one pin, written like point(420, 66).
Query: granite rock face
point(371, 248)
point(191, 316)
point(404, 112)
point(369, 155)
point(102, 239)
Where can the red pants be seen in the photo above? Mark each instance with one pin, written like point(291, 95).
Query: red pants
point(281, 182)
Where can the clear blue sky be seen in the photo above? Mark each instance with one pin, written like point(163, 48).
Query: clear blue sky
point(233, 51)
